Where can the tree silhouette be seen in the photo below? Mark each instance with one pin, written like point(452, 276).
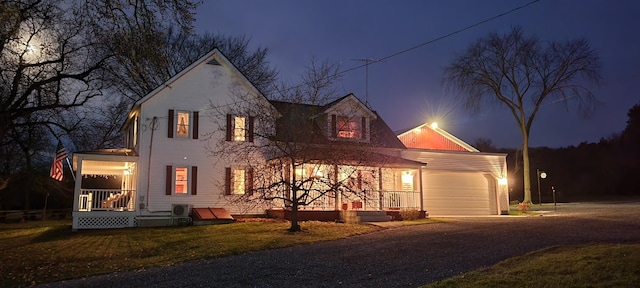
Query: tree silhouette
point(522, 73)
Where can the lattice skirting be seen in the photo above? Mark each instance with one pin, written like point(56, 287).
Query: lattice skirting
point(104, 222)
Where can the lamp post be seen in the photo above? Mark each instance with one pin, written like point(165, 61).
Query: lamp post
point(541, 174)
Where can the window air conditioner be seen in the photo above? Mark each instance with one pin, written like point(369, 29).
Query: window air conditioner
point(179, 210)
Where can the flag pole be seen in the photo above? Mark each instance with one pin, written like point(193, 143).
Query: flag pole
point(71, 169)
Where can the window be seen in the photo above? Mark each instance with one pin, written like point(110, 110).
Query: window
point(183, 125)
point(349, 127)
point(182, 128)
point(239, 181)
point(135, 131)
point(182, 180)
point(240, 128)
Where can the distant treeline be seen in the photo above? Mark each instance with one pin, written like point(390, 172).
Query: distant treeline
point(609, 169)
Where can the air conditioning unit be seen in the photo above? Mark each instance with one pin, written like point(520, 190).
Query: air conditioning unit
point(179, 210)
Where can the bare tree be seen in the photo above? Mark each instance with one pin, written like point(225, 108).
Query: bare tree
point(178, 50)
point(290, 162)
point(522, 73)
point(56, 54)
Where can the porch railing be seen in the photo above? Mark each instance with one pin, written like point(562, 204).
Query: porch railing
point(106, 200)
point(395, 200)
point(371, 200)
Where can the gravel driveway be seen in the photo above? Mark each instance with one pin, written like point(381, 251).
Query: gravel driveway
point(404, 256)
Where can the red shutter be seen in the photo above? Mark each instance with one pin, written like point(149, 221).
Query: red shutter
point(170, 125)
point(195, 124)
point(334, 126)
point(251, 123)
point(229, 127)
point(169, 180)
point(194, 180)
point(359, 180)
point(364, 128)
point(227, 181)
point(248, 181)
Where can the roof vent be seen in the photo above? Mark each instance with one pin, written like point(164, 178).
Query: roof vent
point(214, 62)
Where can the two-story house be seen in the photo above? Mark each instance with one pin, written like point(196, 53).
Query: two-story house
point(207, 138)
point(199, 140)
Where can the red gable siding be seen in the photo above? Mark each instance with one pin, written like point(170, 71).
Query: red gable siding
point(424, 137)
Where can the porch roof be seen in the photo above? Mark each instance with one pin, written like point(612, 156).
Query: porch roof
point(350, 156)
point(112, 152)
point(104, 161)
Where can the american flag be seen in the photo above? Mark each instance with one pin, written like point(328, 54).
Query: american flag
point(56, 167)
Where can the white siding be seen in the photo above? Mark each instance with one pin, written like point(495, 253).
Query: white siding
point(203, 85)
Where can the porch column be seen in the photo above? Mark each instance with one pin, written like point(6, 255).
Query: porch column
point(421, 191)
point(337, 193)
point(380, 193)
point(78, 185)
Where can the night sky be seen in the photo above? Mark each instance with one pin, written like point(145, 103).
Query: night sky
point(407, 89)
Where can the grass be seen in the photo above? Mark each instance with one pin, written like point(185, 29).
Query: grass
point(561, 266)
point(48, 251)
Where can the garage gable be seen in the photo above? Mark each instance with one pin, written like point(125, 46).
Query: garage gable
point(430, 136)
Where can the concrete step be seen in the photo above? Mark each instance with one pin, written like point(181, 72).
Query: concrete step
point(358, 216)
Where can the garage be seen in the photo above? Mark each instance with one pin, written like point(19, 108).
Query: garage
point(458, 180)
point(455, 193)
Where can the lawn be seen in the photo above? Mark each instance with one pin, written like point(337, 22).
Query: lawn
point(48, 251)
point(608, 265)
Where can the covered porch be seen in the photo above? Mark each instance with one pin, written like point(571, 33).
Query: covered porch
point(379, 192)
point(105, 189)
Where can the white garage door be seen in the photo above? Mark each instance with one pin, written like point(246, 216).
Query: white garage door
point(455, 193)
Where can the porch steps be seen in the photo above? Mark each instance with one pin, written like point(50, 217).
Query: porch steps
point(358, 216)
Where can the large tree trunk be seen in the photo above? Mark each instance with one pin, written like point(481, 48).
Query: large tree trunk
point(295, 227)
point(525, 165)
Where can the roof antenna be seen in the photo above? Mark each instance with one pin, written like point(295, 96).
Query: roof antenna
point(366, 61)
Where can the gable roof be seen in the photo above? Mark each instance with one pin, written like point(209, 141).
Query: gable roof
point(305, 120)
point(353, 101)
point(427, 137)
point(214, 57)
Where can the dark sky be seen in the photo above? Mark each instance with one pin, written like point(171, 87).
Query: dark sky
point(407, 90)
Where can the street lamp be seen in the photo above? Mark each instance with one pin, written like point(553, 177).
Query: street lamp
point(541, 174)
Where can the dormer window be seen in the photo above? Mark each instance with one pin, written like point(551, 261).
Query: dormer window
point(346, 127)
point(349, 127)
